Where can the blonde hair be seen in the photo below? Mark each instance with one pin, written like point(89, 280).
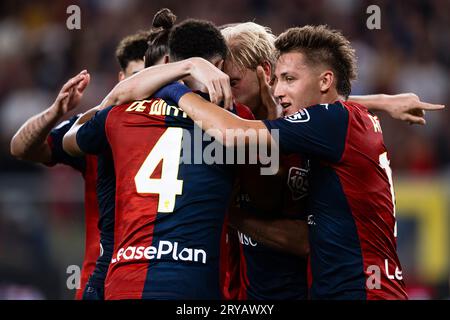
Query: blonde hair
point(249, 44)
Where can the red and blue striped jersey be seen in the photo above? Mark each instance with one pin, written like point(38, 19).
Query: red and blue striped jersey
point(351, 211)
point(170, 203)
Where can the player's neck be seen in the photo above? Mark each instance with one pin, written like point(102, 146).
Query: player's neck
point(260, 114)
point(260, 111)
point(331, 96)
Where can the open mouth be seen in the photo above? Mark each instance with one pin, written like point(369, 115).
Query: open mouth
point(285, 106)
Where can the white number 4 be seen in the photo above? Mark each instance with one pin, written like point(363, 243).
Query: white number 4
point(384, 163)
point(168, 150)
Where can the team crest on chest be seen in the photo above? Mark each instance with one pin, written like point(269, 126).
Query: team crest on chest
point(298, 182)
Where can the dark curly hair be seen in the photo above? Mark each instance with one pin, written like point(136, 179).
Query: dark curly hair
point(196, 38)
point(132, 48)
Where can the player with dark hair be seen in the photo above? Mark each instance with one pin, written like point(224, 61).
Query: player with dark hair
point(182, 47)
point(169, 218)
point(130, 53)
point(38, 140)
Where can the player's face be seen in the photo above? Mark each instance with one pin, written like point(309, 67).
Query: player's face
point(133, 67)
point(244, 84)
point(296, 83)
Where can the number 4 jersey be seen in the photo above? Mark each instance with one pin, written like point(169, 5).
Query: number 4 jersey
point(172, 193)
point(351, 214)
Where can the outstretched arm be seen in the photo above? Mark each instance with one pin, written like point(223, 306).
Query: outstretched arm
point(144, 83)
point(405, 106)
point(30, 141)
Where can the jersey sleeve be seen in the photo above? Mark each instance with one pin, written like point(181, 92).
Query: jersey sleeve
point(318, 131)
point(55, 141)
point(91, 137)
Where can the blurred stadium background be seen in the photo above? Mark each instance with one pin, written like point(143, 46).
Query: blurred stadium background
point(41, 209)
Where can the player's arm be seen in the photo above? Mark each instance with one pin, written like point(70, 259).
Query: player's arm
point(287, 235)
point(144, 83)
point(30, 141)
point(93, 133)
point(318, 131)
point(273, 109)
point(405, 106)
point(220, 124)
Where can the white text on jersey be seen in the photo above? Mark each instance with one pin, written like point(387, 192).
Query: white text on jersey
point(163, 250)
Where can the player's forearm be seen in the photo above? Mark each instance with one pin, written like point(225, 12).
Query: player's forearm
point(70, 144)
point(286, 235)
point(30, 141)
point(144, 83)
point(224, 126)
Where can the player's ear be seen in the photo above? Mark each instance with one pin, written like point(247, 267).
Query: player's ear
point(219, 64)
point(121, 75)
point(326, 80)
point(267, 70)
point(166, 59)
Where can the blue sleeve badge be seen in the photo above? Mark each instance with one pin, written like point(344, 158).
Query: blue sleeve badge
point(300, 116)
